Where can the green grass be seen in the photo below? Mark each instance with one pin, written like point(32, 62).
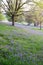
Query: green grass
point(17, 47)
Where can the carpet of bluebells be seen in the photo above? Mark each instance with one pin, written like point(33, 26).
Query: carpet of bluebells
point(17, 47)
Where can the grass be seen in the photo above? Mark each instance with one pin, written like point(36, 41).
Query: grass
point(35, 28)
point(17, 47)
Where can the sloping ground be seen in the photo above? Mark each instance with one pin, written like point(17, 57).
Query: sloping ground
point(29, 29)
point(17, 47)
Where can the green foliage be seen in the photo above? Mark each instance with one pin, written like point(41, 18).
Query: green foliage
point(40, 3)
point(2, 17)
point(8, 18)
point(17, 47)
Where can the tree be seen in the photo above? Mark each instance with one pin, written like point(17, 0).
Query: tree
point(39, 3)
point(28, 17)
point(0, 6)
point(40, 11)
point(13, 8)
point(1, 15)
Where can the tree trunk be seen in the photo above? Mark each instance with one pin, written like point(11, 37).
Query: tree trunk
point(35, 24)
point(13, 20)
point(40, 25)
